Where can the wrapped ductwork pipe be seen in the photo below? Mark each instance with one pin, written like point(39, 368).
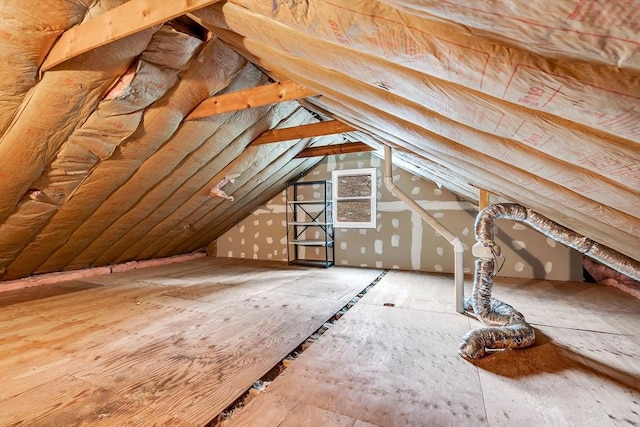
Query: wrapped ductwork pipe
point(603, 254)
point(505, 327)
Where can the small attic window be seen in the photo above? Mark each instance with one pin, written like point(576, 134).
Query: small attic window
point(354, 198)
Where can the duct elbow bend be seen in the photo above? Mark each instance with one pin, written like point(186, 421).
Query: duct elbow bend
point(486, 219)
point(457, 245)
point(388, 181)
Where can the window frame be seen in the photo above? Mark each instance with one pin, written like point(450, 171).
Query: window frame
point(335, 174)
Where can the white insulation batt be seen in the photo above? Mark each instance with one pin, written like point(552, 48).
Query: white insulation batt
point(536, 101)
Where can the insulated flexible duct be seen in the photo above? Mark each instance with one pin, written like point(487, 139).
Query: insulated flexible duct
point(505, 327)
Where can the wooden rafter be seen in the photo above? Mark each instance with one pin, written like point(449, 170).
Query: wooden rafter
point(119, 22)
point(304, 131)
point(327, 150)
point(254, 97)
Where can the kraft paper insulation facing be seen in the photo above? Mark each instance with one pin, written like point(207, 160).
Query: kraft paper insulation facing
point(112, 122)
point(169, 211)
point(28, 34)
point(137, 170)
point(537, 102)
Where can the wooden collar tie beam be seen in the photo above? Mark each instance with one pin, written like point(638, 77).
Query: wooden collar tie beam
point(327, 150)
point(249, 98)
point(119, 22)
point(304, 131)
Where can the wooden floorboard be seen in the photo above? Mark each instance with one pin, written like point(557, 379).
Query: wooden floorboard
point(67, 401)
point(165, 345)
point(392, 361)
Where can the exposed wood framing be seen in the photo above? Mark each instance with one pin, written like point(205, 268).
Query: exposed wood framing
point(485, 197)
point(303, 131)
point(119, 22)
point(326, 150)
point(249, 98)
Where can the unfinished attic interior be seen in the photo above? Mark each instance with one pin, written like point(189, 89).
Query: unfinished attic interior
point(327, 213)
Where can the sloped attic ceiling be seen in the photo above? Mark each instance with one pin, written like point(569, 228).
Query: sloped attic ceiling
point(537, 102)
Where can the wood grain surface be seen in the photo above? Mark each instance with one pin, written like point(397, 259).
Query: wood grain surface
point(392, 361)
point(166, 345)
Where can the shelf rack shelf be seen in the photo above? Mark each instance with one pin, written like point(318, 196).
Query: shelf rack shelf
point(310, 230)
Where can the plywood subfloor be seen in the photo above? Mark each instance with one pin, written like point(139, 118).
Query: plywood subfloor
point(171, 345)
point(392, 361)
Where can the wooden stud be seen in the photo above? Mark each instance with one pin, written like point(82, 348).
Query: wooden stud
point(249, 98)
point(327, 150)
point(302, 131)
point(117, 23)
point(485, 201)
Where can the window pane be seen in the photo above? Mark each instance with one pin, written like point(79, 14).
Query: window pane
point(354, 185)
point(354, 211)
point(354, 192)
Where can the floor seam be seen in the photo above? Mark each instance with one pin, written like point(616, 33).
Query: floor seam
point(577, 329)
point(261, 385)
